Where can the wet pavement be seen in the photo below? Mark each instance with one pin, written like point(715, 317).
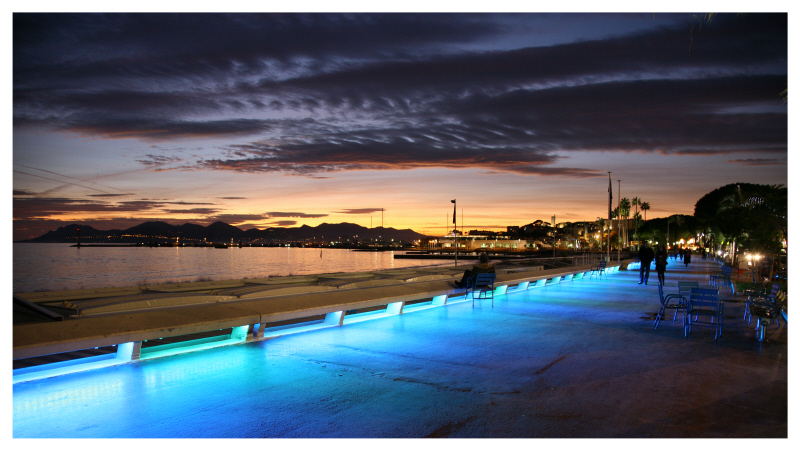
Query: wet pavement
point(576, 359)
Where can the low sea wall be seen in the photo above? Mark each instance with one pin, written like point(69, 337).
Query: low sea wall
point(179, 318)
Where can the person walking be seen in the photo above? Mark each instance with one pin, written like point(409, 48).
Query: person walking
point(646, 257)
point(687, 256)
point(661, 264)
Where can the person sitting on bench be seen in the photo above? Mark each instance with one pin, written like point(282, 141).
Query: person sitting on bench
point(483, 267)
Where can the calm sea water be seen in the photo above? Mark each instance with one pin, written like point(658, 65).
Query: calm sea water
point(46, 266)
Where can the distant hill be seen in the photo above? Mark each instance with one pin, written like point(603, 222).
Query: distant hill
point(220, 232)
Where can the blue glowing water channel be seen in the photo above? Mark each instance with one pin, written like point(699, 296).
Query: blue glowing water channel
point(297, 385)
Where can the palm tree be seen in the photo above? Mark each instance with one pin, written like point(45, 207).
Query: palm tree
point(601, 223)
point(625, 210)
point(636, 202)
point(645, 207)
point(637, 221)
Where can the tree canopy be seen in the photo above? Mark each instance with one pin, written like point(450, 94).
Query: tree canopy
point(753, 215)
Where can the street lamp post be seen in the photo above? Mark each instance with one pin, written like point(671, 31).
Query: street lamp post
point(608, 225)
point(619, 215)
point(455, 237)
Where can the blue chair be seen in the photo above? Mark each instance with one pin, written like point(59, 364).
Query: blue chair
point(768, 310)
point(670, 301)
point(705, 303)
point(483, 283)
point(685, 288)
point(722, 277)
point(760, 294)
point(598, 269)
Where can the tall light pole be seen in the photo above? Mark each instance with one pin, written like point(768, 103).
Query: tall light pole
point(608, 226)
point(455, 238)
point(619, 215)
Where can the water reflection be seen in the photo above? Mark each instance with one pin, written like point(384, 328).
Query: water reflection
point(40, 267)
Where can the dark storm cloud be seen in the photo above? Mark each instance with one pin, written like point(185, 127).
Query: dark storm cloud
point(44, 206)
point(37, 207)
point(758, 161)
point(236, 218)
point(157, 160)
point(519, 131)
point(324, 93)
point(654, 115)
point(191, 45)
point(365, 153)
point(162, 129)
point(191, 211)
point(282, 214)
point(359, 211)
point(187, 203)
point(735, 45)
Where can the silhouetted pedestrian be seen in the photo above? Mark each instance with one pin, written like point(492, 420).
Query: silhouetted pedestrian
point(687, 257)
point(646, 257)
point(661, 263)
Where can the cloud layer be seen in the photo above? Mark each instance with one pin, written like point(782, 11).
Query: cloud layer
point(323, 93)
point(312, 95)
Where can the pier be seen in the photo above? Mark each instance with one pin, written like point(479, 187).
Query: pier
point(563, 353)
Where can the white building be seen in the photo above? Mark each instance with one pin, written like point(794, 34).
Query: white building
point(477, 242)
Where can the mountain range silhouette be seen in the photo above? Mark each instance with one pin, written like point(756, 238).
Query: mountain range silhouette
point(222, 232)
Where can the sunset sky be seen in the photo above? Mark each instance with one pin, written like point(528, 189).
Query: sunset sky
point(291, 119)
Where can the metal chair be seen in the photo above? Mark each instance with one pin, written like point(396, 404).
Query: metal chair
point(483, 283)
point(754, 294)
point(767, 310)
point(598, 269)
point(685, 288)
point(703, 302)
point(679, 303)
point(723, 276)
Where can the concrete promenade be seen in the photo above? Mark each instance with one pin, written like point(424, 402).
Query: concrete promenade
point(575, 359)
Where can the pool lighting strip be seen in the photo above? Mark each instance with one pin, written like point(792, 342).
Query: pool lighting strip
point(128, 352)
